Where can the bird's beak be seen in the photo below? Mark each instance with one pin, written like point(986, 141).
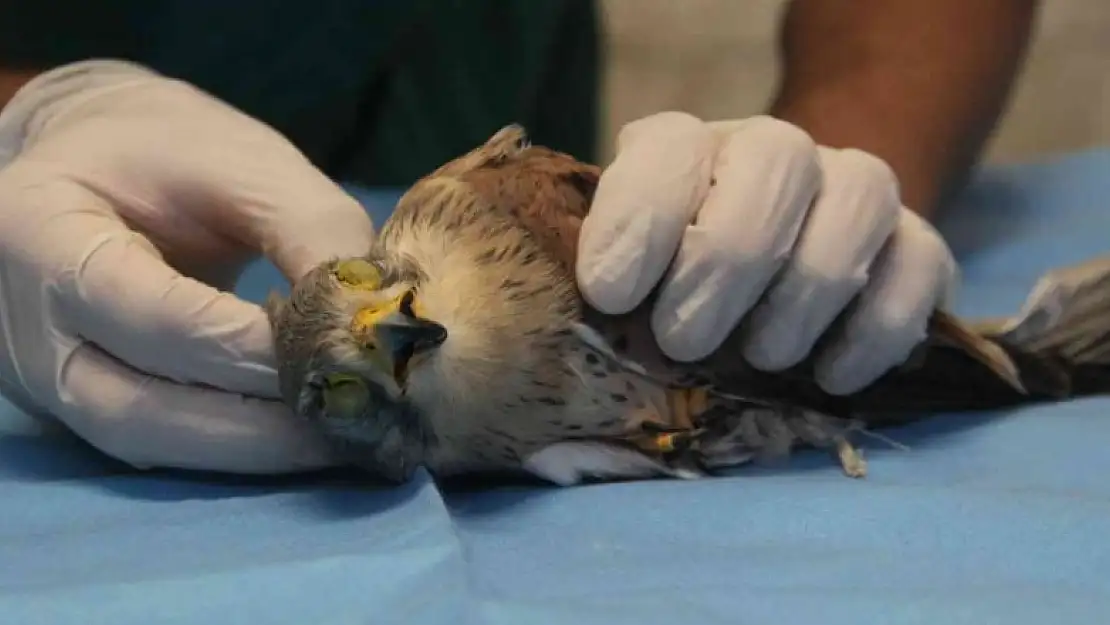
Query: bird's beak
point(401, 334)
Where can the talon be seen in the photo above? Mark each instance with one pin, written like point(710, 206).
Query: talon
point(665, 442)
point(668, 442)
point(672, 429)
point(851, 459)
point(650, 433)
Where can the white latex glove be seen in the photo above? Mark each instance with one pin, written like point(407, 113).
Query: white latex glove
point(129, 203)
point(758, 219)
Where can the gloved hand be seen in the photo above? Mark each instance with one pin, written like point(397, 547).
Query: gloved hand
point(129, 204)
point(766, 228)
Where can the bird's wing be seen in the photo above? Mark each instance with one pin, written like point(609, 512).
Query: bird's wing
point(958, 366)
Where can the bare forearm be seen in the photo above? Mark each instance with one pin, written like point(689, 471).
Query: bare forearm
point(920, 83)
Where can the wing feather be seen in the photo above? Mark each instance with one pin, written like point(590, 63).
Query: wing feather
point(549, 194)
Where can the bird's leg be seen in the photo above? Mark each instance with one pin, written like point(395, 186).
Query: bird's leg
point(672, 430)
point(731, 430)
point(686, 405)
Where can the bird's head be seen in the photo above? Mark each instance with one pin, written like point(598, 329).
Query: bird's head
point(347, 340)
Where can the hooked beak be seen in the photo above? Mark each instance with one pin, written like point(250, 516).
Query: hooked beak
point(400, 335)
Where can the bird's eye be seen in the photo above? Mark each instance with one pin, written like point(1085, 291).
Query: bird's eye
point(357, 273)
point(340, 380)
point(345, 396)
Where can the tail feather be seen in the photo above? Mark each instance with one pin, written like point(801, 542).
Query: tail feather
point(1066, 320)
point(1067, 315)
point(987, 352)
point(1057, 347)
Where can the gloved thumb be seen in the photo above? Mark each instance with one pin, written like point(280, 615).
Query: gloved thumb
point(295, 243)
point(301, 219)
point(254, 186)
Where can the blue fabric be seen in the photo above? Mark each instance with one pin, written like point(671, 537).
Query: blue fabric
point(998, 518)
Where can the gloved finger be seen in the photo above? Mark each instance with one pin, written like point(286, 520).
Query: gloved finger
point(330, 225)
point(149, 422)
point(120, 295)
point(242, 178)
point(767, 176)
point(856, 212)
point(643, 203)
point(282, 206)
point(911, 276)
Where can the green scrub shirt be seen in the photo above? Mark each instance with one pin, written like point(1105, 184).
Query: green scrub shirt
point(377, 92)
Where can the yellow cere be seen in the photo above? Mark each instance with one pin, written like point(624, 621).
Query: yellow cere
point(358, 274)
point(369, 316)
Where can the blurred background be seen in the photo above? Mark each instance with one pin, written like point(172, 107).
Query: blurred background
point(690, 55)
point(383, 92)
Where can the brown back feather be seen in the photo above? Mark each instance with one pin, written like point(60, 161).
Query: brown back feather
point(954, 369)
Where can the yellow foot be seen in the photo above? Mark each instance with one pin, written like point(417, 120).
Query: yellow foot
point(664, 430)
point(851, 459)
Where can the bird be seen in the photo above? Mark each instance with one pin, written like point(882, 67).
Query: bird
point(460, 343)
